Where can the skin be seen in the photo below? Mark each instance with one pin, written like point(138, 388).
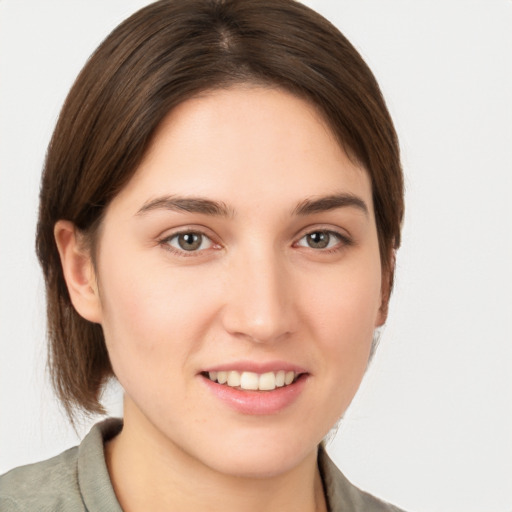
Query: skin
point(255, 290)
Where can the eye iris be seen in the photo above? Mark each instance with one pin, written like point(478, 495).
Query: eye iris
point(318, 239)
point(189, 241)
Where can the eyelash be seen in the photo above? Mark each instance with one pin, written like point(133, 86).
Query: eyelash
point(166, 243)
point(343, 242)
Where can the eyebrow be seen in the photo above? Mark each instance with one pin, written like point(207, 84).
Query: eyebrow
point(187, 204)
point(220, 209)
point(326, 203)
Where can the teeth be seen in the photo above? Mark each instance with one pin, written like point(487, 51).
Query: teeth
point(253, 381)
point(234, 379)
point(249, 380)
point(267, 381)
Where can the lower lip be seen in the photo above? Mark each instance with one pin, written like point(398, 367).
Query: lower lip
point(257, 402)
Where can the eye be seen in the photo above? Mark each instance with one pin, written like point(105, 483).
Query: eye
point(321, 239)
point(189, 241)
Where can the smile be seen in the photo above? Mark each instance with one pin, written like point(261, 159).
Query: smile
point(252, 381)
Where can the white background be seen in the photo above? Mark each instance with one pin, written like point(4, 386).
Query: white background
point(431, 429)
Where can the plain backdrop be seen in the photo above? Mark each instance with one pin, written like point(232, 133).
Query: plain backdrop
point(431, 428)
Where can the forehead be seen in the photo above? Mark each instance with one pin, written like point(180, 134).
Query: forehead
point(262, 141)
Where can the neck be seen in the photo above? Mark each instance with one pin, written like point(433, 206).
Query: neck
point(149, 473)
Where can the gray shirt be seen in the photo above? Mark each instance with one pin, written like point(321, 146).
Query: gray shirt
point(78, 480)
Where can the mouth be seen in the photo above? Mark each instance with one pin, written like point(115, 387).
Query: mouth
point(256, 389)
point(252, 381)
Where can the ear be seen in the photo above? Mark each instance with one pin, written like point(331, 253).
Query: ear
point(78, 271)
point(388, 275)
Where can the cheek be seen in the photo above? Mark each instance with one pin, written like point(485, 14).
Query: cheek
point(153, 320)
point(348, 301)
point(344, 310)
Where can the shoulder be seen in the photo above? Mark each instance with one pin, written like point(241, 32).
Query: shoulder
point(342, 495)
point(48, 485)
point(76, 480)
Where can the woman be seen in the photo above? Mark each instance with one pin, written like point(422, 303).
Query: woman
point(220, 206)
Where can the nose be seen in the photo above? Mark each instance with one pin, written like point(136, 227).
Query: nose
point(259, 298)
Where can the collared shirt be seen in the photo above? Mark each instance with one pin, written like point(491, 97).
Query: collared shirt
point(77, 480)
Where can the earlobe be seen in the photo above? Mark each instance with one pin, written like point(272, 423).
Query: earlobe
point(388, 276)
point(78, 271)
point(383, 312)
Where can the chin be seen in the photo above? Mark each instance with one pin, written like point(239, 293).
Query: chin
point(259, 456)
point(258, 466)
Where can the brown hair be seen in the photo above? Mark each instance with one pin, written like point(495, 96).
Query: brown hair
point(162, 55)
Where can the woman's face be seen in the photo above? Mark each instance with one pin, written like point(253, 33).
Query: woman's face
point(244, 248)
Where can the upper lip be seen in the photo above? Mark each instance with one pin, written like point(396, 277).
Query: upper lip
point(256, 367)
